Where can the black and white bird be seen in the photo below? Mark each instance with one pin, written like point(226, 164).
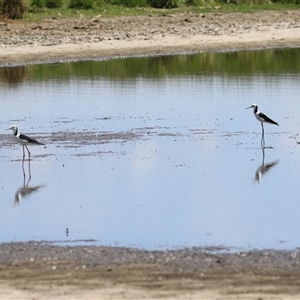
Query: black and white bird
point(24, 140)
point(262, 118)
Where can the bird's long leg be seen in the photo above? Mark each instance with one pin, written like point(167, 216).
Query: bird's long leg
point(263, 160)
point(23, 169)
point(28, 151)
point(262, 136)
point(23, 153)
point(29, 171)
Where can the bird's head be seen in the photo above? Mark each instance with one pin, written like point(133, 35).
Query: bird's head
point(254, 106)
point(14, 128)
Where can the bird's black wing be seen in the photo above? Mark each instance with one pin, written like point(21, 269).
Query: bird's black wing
point(267, 119)
point(29, 139)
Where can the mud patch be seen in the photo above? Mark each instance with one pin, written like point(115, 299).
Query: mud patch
point(34, 267)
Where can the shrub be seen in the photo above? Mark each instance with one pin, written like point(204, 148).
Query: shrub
point(85, 4)
point(37, 4)
point(114, 2)
point(287, 1)
point(163, 3)
point(134, 3)
point(54, 3)
point(193, 2)
point(13, 9)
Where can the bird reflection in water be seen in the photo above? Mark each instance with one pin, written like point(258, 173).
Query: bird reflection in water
point(264, 168)
point(25, 190)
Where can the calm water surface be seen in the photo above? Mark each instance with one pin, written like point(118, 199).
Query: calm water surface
point(155, 153)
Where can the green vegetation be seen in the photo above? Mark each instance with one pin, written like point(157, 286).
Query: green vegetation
point(38, 10)
point(12, 9)
point(83, 4)
point(37, 5)
point(53, 3)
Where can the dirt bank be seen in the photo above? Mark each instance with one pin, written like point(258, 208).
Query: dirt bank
point(61, 39)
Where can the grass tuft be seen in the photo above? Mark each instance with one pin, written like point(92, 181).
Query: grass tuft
point(39, 10)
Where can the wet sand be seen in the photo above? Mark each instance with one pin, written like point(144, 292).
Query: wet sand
point(45, 271)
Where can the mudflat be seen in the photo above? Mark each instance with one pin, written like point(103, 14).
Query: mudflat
point(44, 271)
point(38, 270)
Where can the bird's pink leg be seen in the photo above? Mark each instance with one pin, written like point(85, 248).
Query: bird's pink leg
point(28, 151)
point(262, 136)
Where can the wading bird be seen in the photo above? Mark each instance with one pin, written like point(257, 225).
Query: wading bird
point(262, 118)
point(23, 139)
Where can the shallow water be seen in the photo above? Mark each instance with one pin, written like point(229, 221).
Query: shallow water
point(156, 153)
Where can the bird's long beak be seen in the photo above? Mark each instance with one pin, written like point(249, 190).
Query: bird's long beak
point(249, 107)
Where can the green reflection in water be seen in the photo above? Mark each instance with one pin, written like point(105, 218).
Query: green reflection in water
point(247, 63)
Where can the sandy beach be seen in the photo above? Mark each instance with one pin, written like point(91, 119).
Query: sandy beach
point(38, 270)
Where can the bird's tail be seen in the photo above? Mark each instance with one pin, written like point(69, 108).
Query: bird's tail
point(37, 143)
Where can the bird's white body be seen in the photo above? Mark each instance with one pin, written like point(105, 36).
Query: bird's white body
point(21, 141)
point(258, 117)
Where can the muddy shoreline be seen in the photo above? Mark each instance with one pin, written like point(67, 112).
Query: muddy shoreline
point(37, 269)
point(59, 39)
